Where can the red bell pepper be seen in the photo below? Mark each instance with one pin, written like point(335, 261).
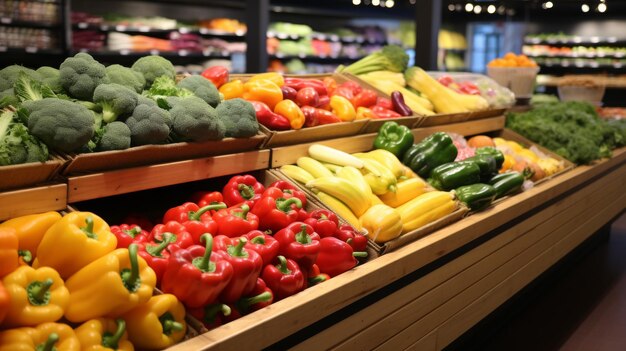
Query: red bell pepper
point(354, 86)
point(324, 222)
point(127, 234)
point(218, 75)
point(276, 213)
point(299, 242)
point(336, 256)
point(382, 112)
point(289, 93)
point(384, 102)
point(183, 237)
point(287, 189)
point(317, 116)
point(242, 188)
point(211, 316)
point(314, 276)
point(157, 254)
point(284, 278)
point(265, 245)
point(139, 219)
point(235, 221)
point(307, 96)
point(365, 98)
point(269, 118)
point(205, 198)
point(346, 92)
point(301, 83)
point(189, 211)
point(260, 297)
point(357, 240)
point(197, 275)
point(324, 103)
point(247, 265)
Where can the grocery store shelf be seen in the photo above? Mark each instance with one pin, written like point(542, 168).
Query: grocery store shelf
point(320, 58)
point(21, 202)
point(149, 30)
point(170, 54)
point(359, 39)
point(123, 181)
point(611, 82)
point(596, 41)
point(31, 51)
point(579, 55)
point(7, 21)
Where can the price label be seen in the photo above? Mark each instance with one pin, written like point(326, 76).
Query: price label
point(183, 52)
point(6, 20)
point(30, 49)
point(154, 52)
point(124, 52)
point(83, 25)
point(144, 29)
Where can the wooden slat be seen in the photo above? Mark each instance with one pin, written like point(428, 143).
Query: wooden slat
point(122, 181)
point(464, 128)
point(33, 200)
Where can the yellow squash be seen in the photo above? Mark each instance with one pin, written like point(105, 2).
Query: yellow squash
point(382, 223)
point(405, 191)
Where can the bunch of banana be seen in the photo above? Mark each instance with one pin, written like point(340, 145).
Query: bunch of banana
point(425, 209)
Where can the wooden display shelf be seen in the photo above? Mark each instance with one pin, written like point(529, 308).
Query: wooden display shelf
point(546, 222)
point(97, 185)
point(21, 202)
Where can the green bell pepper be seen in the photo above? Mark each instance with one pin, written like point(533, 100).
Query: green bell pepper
point(487, 165)
point(435, 150)
point(507, 183)
point(394, 138)
point(493, 152)
point(454, 174)
point(476, 196)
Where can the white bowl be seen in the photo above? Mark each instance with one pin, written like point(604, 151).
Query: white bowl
point(520, 80)
point(591, 94)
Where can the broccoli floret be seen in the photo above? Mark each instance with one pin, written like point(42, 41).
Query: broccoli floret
point(202, 88)
point(51, 77)
point(63, 125)
point(114, 136)
point(16, 144)
point(142, 100)
point(164, 87)
point(239, 118)
point(115, 100)
point(81, 74)
point(127, 77)
point(8, 98)
point(149, 125)
point(153, 67)
point(194, 120)
point(391, 58)
point(28, 89)
point(9, 75)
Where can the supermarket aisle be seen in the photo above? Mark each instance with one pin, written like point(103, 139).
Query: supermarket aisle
point(581, 307)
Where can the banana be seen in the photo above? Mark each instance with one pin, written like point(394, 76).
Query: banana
point(314, 167)
point(340, 209)
point(387, 159)
point(379, 184)
point(344, 191)
point(332, 167)
point(328, 154)
point(354, 176)
point(423, 204)
point(405, 192)
point(429, 217)
point(296, 173)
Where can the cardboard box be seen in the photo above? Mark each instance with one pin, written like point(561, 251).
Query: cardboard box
point(29, 174)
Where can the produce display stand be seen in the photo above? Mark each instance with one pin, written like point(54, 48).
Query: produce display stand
point(43, 198)
point(29, 174)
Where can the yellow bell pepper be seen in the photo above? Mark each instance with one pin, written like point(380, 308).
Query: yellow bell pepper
point(342, 108)
point(110, 286)
point(263, 90)
point(45, 337)
point(103, 334)
point(509, 162)
point(37, 296)
point(292, 112)
point(31, 228)
point(387, 159)
point(83, 237)
point(405, 191)
point(275, 77)
point(382, 223)
point(425, 208)
point(232, 89)
point(364, 113)
point(157, 324)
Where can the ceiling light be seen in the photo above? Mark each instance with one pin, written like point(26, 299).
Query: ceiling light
point(491, 9)
point(390, 3)
point(477, 9)
point(451, 7)
point(469, 7)
point(602, 7)
point(501, 10)
point(375, 2)
point(549, 4)
point(412, 2)
point(459, 7)
point(356, 2)
point(585, 8)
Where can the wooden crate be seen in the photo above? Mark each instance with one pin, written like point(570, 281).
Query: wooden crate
point(29, 174)
point(51, 197)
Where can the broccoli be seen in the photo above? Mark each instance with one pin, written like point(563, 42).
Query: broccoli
point(202, 88)
point(9, 75)
point(51, 77)
point(61, 124)
point(114, 136)
point(127, 77)
point(390, 58)
point(142, 100)
point(164, 87)
point(8, 98)
point(116, 100)
point(239, 118)
point(16, 144)
point(153, 67)
point(194, 120)
point(28, 89)
point(81, 74)
point(149, 125)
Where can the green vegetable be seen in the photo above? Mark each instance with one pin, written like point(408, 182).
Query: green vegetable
point(153, 67)
point(539, 99)
point(149, 125)
point(202, 88)
point(80, 75)
point(125, 76)
point(507, 183)
point(391, 58)
point(9, 75)
point(454, 174)
point(394, 138)
point(194, 120)
point(163, 88)
point(238, 117)
point(16, 144)
point(487, 165)
point(28, 89)
point(8, 98)
point(116, 100)
point(63, 125)
point(493, 152)
point(114, 136)
point(436, 149)
point(51, 77)
point(476, 196)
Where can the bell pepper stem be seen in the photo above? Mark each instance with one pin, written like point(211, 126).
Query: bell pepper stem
point(237, 250)
point(133, 232)
point(258, 240)
point(204, 263)
point(302, 236)
point(323, 217)
point(282, 265)
point(49, 344)
point(39, 292)
point(211, 311)
point(169, 324)
point(243, 213)
point(130, 277)
point(195, 215)
point(111, 340)
point(25, 255)
point(156, 250)
point(246, 191)
point(285, 204)
point(359, 254)
point(317, 279)
point(243, 305)
point(88, 229)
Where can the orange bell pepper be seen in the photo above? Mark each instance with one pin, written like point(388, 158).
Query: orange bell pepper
point(9, 258)
point(275, 77)
point(331, 84)
point(342, 108)
point(5, 302)
point(263, 90)
point(31, 228)
point(232, 89)
point(292, 112)
point(364, 113)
